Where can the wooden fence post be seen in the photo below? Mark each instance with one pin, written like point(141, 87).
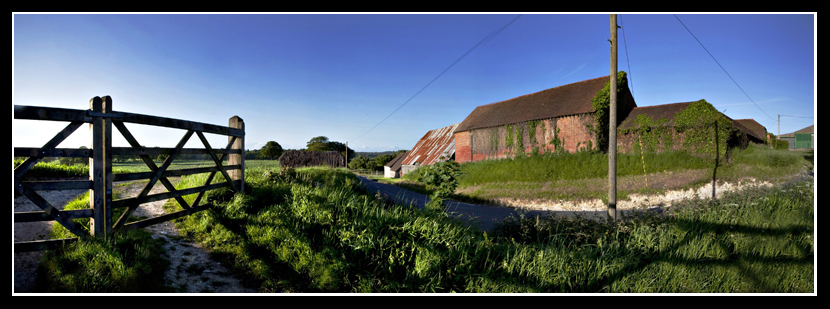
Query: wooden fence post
point(233, 158)
point(100, 168)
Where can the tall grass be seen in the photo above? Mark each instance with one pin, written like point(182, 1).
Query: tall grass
point(319, 232)
point(581, 165)
point(583, 175)
point(129, 262)
point(53, 170)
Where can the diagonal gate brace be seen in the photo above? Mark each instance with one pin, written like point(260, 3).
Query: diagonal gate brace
point(158, 171)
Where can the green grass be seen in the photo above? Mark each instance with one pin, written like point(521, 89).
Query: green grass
point(319, 231)
point(57, 170)
point(140, 166)
point(129, 262)
point(52, 169)
point(584, 175)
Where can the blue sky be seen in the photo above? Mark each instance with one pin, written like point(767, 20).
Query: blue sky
point(292, 77)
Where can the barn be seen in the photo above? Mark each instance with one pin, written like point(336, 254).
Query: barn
point(662, 117)
point(392, 169)
point(556, 119)
point(801, 139)
point(435, 146)
point(756, 132)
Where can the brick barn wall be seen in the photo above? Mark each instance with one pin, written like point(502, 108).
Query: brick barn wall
point(463, 153)
point(575, 132)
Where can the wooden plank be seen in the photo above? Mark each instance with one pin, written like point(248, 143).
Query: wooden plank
point(97, 170)
point(34, 216)
point(179, 124)
point(50, 210)
point(155, 151)
point(50, 113)
point(210, 176)
point(54, 152)
point(238, 143)
point(65, 114)
point(152, 165)
point(106, 215)
point(54, 142)
point(41, 245)
point(216, 159)
point(156, 176)
point(165, 218)
point(122, 203)
point(59, 185)
point(171, 173)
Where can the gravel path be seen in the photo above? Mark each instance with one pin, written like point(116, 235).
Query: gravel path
point(485, 216)
point(191, 269)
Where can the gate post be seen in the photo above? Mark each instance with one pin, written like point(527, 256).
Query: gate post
point(233, 158)
point(100, 168)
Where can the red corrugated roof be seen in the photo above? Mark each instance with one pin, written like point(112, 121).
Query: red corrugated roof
point(430, 148)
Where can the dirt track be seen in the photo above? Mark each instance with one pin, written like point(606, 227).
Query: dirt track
point(191, 269)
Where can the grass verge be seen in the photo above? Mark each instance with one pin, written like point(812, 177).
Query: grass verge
point(584, 175)
point(318, 232)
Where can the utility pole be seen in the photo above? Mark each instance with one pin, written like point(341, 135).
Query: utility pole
point(612, 127)
point(347, 154)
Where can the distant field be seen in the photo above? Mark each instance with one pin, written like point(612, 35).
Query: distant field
point(136, 167)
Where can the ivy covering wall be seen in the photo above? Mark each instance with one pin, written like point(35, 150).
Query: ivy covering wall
point(510, 140)
point(699, 129)
point(602, 106)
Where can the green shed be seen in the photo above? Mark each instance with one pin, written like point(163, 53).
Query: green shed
point(803, 140)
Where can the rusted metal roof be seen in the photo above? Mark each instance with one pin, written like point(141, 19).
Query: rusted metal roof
point(432, 147)
point(570, 99)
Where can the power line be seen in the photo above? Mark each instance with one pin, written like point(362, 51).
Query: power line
point(724, 70)
point(487, 38)
point(625, 46)
point(797, 116)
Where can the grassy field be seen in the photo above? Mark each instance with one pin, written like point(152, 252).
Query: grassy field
point(139, 166)
point(585, 175)
point(317, 230)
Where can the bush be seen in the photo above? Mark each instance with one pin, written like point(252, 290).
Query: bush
point(441, 177)
point(781, 144)
point(362, 163)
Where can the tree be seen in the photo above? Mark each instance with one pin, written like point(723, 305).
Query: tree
point(361, 163)
point(381, 160)
point(74, 160)
point(252, 154)
point(319, 143)
point(271, 150)
point(322, 143)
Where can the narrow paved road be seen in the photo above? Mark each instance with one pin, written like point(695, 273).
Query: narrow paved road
point(482, 216)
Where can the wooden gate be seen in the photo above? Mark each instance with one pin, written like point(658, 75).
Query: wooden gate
point(101, 119)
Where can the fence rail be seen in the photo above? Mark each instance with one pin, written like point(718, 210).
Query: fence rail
point(101, 119)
